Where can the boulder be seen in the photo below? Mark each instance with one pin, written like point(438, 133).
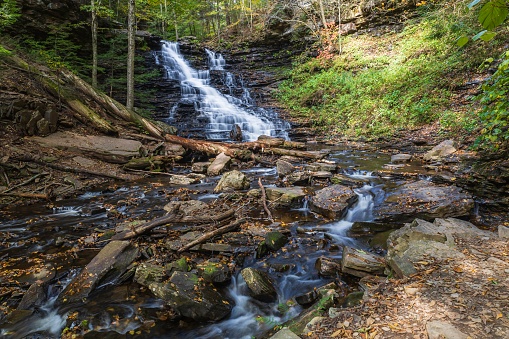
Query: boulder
point(190, 179)
point(234, 180)
point(190, 207)
point(364, 228)
point(360, 263)
point(149, 273)
point(299, 178)
point(34, 297)
point(503, 232)
point(285, 196)
point(107, 266)
point(425, 200)
point(220, 164)
point(259, 284)
point(200, 167)
point(328, 267)
point(422, 240)
point(345, 180)
point(440, 151)
point(213, 271)
point(275, 240)
point(333, 201)
point(192, 298)
point(283, 168)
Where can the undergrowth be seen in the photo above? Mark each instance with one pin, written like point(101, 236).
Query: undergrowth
point(397, 81)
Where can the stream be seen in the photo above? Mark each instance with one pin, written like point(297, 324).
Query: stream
point(52, 242)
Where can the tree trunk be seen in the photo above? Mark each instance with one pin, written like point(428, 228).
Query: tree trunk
point(131, 30)
point(322, 14)
point(94, 44)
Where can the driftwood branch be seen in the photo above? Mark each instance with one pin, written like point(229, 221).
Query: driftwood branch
point(168, 219)
point(264, 200)
point(221, 230)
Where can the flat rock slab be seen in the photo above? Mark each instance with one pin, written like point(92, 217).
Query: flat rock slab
point(285, 333)
point(220, 164)
point(109, 149)
point(402, 157)
point(421, 239)
point(440, 329)
point(425, 200)
point(285, 196)
point(333, 201)
point(111, 262)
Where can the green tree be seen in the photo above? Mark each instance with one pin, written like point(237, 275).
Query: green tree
point(9, 13)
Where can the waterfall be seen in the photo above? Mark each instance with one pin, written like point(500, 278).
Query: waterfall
point(219, 113)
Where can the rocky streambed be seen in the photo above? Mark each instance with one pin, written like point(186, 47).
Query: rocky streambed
point(225, 249)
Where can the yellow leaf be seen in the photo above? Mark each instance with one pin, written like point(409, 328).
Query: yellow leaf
point(499, 315)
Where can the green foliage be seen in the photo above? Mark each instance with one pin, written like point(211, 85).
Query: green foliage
point(382, 84)
point(495, 106)
point(491, 15)
point(9, 13)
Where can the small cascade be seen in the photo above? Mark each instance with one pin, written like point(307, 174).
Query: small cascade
point(216, 60)
point(217, 113)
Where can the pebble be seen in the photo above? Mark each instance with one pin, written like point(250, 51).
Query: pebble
point(455, 295)
point(386, 329)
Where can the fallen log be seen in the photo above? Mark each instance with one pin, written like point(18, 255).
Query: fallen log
point(242, 151)
point(168, 219)
point(221, 230)
point(26, 182)
point(30, 158)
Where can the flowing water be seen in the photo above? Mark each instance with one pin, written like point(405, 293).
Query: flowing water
point(40, 240)
point(218, 113)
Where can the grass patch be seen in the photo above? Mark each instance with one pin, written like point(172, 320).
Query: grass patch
point(397, 81)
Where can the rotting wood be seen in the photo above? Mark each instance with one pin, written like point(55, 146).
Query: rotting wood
point(168, 219)
point(30, 158)
point(221, 230)
point(264, 200)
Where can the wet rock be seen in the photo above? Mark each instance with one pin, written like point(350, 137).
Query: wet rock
point(307, 298)
point(180, 265)
point(328, 267)
point(213, 271)
point(275, 240)
point(254, 193)
point(34, 297)
point(285, 196)
point(398, 158)
point(353, 299)
point(234, 180)
point(361, 228)
point(109, 264)
point(148, 273)
point(220, 164)
point(190, 207)
point(236, 133)
point(360, 263)
point(440, 151)
point(283, 168)
point(344, 180)
point(299, 178)
point(379, 241)
point(440, 329)
point(192, 298)
point(262, 250)
point(421, 239)
point(114, 150)
point(190, 179)
point(200, 167)
point(322, 167)
point(259, 284)
point(285, 333)
point(425, 200)
point(333, 201)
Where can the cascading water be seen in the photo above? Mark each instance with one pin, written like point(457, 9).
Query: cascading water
point(218, 112)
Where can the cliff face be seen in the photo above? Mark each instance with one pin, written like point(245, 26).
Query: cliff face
point(37, 16)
